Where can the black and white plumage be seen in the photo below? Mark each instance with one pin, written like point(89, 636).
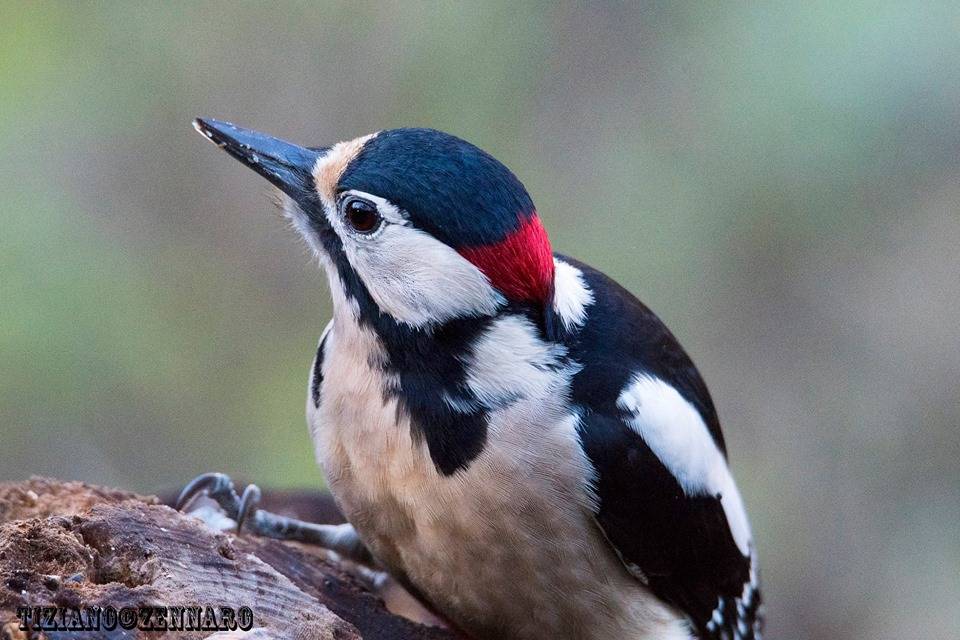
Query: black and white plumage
point(511, 433)
point(668, 503)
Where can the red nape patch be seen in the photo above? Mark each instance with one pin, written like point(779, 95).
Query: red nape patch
point(520, 265)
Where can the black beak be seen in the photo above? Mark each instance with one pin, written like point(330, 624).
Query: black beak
point(287, 166)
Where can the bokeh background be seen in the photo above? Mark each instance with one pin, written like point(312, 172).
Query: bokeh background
point(781, 184)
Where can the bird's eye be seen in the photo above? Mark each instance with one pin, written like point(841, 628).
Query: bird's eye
point(361, 215)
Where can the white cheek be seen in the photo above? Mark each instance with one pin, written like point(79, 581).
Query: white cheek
point(410, 275)
point(419, 280)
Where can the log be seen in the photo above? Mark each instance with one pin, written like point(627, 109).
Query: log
point(86, 549)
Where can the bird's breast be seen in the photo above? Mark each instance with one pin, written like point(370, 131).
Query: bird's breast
point(506, 547)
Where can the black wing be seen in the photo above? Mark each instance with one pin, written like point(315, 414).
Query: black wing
point(680, 545)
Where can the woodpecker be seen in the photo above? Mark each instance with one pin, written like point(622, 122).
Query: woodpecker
point(510, 433)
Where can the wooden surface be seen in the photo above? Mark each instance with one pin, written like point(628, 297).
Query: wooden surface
point(76, 545)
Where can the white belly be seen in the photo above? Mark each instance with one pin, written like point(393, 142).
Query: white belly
point(507, 548)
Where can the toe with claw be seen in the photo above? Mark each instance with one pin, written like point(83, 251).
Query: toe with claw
point(219, 488)
point(243, 509)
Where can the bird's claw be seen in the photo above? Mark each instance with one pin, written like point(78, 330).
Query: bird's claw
point(244, 510)
point(219, 488)
point(248, 504)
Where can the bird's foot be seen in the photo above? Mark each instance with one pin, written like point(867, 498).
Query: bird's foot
point(241, 512)
point(243, 509)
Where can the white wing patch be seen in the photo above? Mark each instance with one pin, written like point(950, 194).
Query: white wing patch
point(571, 295)
point(677, 435)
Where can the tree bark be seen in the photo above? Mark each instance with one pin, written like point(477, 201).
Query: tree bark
point(77, 546)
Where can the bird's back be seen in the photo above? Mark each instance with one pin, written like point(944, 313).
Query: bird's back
point(667, 501)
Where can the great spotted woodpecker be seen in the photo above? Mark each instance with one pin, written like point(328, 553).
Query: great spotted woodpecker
point(511, 434)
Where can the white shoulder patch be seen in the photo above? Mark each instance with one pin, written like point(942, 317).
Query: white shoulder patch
point(677, 435)
point(571, 295)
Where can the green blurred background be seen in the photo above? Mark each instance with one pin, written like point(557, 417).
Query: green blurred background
point(781, 185)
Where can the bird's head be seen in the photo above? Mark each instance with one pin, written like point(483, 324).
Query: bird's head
point(414, 224)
